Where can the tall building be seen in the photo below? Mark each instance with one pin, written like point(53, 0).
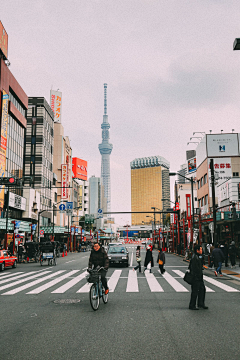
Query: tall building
point(105, 149)
point(149, 185)
point(39, 154)
point(96, 198)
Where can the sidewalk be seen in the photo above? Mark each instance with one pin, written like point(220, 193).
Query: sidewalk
point(233, 273)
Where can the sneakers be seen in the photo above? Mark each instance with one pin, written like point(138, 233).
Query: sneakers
point(106, 291)
point(193, 308)
point(215, 273)
point(221, 274)
point(203, 307)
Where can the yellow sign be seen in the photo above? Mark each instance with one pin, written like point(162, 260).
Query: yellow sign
point(80, 197)
point(3, 143)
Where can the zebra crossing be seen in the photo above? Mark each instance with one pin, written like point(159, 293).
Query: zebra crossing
point(37, 282)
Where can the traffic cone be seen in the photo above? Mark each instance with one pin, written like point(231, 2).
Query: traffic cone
point(66, 253)
point(63, 254)
point(27, 259)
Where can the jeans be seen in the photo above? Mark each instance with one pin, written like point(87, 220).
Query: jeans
point(219, 268)
point(138, 266)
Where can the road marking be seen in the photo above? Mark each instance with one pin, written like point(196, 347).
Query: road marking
point(51, 283)
point(131, 259)
point(85, 288)
point(180, 273)
point(219, 284)
point(69, 261)
point(26, 286)
point(174, 283)
point(14, 276)
point(5, 275)
point(70, 284)
point(23, 280)
point(152, 282)
point(112, 283)
point(132, 284)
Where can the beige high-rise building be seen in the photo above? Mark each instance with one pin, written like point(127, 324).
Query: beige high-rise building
point(149, 185)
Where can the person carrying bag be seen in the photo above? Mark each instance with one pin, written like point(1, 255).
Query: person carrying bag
point(138, 258)
point(161, 260)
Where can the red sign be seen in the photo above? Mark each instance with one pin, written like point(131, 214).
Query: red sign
point(64, 192)
point(79, 168)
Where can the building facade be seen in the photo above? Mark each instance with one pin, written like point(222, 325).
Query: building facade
point(149, 185)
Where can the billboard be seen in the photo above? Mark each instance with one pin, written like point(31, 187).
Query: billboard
point(64, 189)
point(56, 104)
point(3, 143)
point(222, 169)
point(221, 145)
point(3, 40)
point(79, 169)
point(192, 166)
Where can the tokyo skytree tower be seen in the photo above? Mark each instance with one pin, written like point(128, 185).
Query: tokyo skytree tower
point(105, 149)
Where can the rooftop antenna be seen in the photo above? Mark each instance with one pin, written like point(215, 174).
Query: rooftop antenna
point(233, 130)
point(221, 131)
point(105, 99)
point(210, 131)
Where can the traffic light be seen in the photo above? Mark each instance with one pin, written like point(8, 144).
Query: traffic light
point(10, 181)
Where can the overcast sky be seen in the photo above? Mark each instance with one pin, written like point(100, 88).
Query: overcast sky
point(169, 65)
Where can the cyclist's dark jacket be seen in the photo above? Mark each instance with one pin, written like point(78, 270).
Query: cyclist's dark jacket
point(98, 258)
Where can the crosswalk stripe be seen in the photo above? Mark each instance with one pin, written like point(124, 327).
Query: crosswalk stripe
point(152, 282)
point(112, 282)
point(132, 283)
point(85, 288)
point(131, 259)
point(35, 282)
point(180, 273)
point(174, 283)
point(5, 275)
point(69, 284)
point(219, 284)
point(53, 282)
point(14, 277)
point(22, 280)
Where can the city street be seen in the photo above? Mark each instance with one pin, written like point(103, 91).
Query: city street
point(48, 315)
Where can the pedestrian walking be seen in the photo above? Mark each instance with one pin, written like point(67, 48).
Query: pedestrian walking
point(198, 287)
point(138, 258)
point(232, 254)
point(218, 259)
point(226, 253)
point(161, 260)
point(148, 259)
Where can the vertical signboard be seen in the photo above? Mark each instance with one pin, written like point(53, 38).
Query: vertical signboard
point(64, 192)
point(80, 197)
point(56, 104)
point(188, 206)
point(3, 144)
point(3, 40)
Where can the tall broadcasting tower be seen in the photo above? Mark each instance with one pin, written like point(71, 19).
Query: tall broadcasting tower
point(105, 149)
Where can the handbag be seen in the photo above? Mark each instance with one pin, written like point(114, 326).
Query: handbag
point(139, 259)
point(188, 277)
point(160, 262)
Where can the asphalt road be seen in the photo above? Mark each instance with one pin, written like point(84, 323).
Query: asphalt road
point(146, 317)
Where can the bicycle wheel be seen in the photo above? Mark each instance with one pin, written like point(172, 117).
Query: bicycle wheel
point(94, 297)
point(104, 297)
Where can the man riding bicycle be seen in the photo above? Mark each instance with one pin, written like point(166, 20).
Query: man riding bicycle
point(98, 257)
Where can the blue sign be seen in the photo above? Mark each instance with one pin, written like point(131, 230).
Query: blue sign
point(100, 213)
point(34, 227)
point(221, 148)
point(17, 224)
point(76, 230)
point(69, 205)
point(83, 231)
point(62, 207)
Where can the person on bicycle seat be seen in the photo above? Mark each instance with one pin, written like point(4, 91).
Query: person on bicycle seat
point(98, 257)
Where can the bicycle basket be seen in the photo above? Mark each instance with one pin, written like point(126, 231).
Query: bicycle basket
point(92, 278)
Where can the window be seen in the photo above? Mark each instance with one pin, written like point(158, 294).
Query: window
point(201, 181)
point(202, 201)
point(236, 174)
point(206, 199)
point(205, 178)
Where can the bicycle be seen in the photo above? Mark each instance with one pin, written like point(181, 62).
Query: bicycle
point(97, 290)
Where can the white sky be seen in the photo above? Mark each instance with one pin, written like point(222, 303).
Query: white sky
point(169, 65)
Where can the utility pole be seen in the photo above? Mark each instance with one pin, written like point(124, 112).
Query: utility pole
point(213, 202)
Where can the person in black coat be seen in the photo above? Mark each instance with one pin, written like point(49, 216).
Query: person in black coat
point(98, 257)
point(161, 260)
point(198, 287)
point(148, 259)
point(218, 259)
point(232, 253)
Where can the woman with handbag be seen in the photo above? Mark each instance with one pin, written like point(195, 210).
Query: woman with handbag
point(138, 258)
point(161, 260)
point(148, 259)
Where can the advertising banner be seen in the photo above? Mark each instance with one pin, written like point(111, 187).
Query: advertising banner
point(79, 169)
point(56, 104)
point(222, 169)
point(222, 145)
point(192, 166)
point(64, 190)
point(3, 143)
point(80, 197)
point(3, 40)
